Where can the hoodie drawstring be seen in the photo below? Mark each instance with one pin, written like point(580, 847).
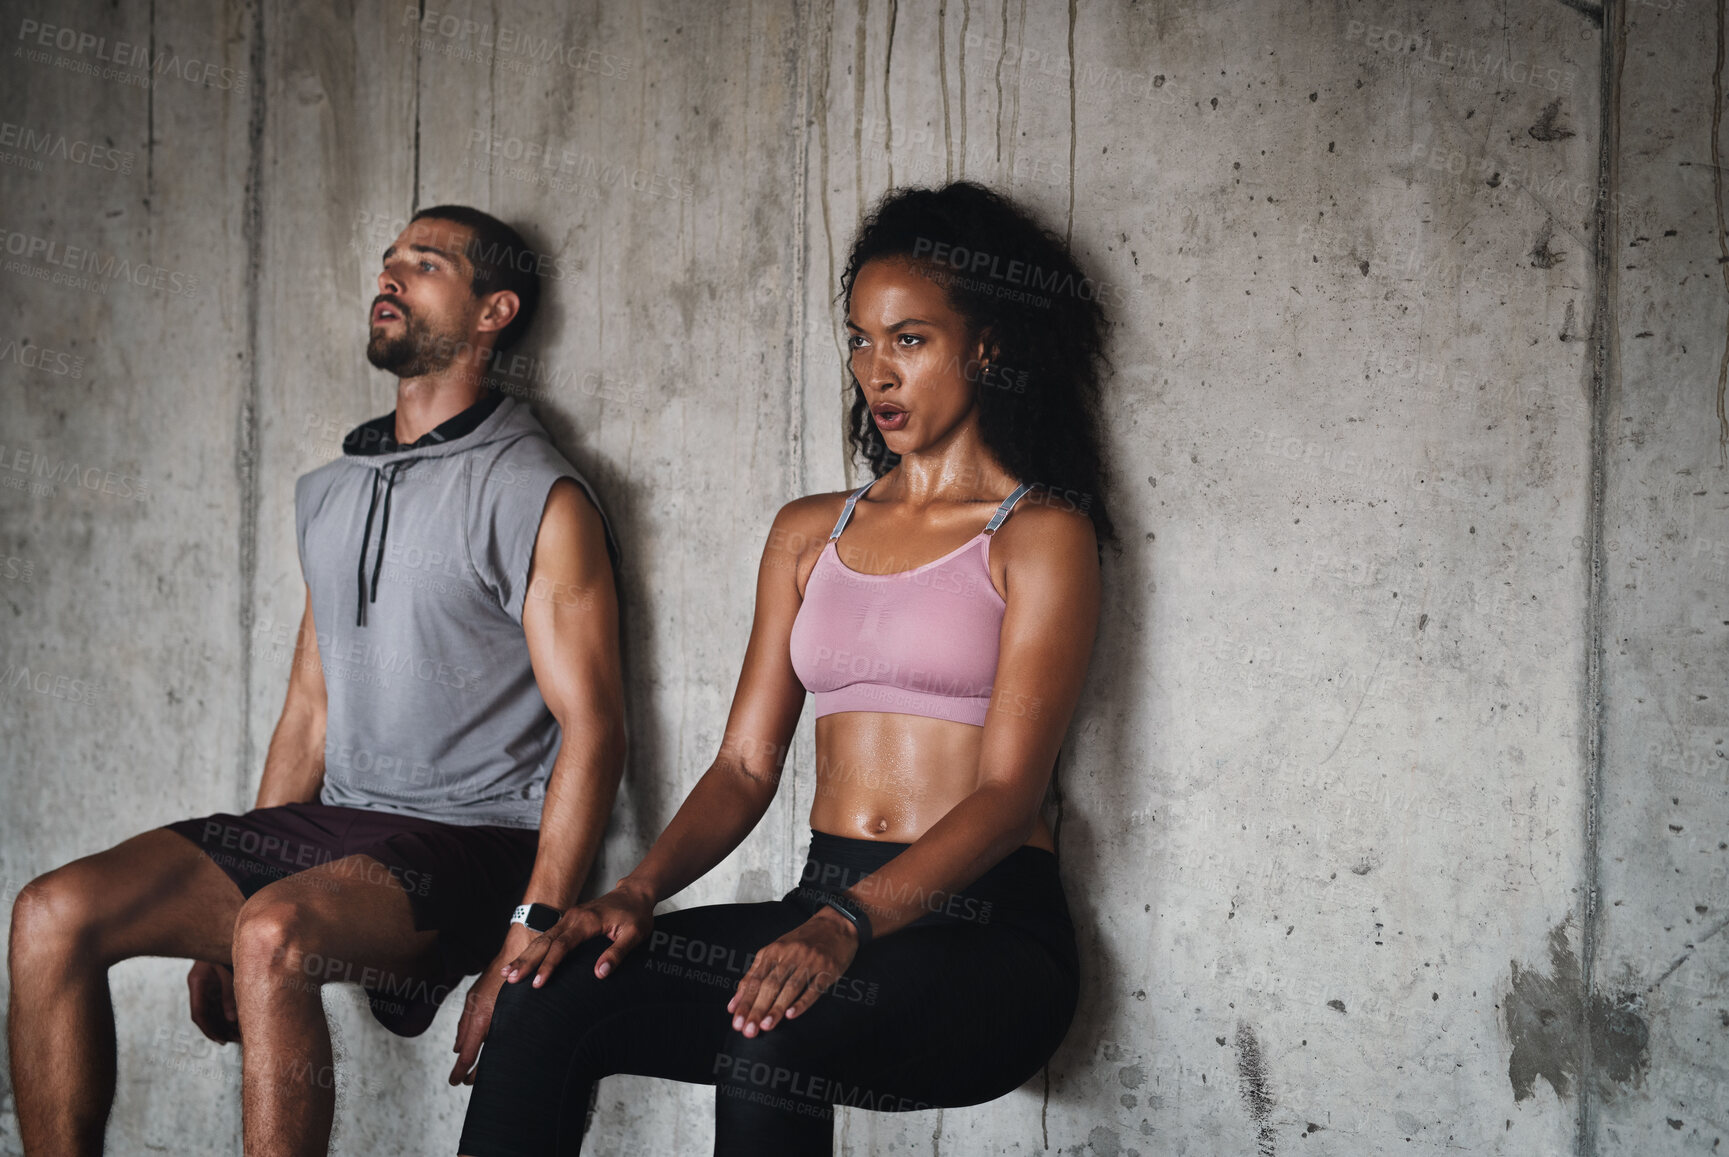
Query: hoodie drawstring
point(371, 595)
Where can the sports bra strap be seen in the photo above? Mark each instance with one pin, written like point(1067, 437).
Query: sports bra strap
point(1008, 505)
point(846, 511)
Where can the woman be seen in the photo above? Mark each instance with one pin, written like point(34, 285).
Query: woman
point(927, 957)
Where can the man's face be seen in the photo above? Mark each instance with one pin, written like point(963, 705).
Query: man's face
point(426, 308)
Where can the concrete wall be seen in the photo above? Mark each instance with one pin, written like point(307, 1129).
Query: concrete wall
point(1395, 812)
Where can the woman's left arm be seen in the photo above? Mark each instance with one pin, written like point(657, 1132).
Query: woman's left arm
point(1049, 623)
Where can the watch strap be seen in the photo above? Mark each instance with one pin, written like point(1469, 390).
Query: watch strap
point(536, 917)
point(852, 910)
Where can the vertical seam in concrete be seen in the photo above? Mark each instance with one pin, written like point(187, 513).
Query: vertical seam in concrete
point(150, 118)
point(801, 182)
point(961, 63)
point(796, 379)
point(860, 39)
point(246, 440)
point(818, 82)
point(943, 83)
point(888, 109)
point(1069, 232)
point(1605, 372)
point(1002, 52)
point(1020, 60)
point(1722, 233)
point(414, 192)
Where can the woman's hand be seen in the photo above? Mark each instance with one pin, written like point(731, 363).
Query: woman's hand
point(787, 975)
point(626, 914)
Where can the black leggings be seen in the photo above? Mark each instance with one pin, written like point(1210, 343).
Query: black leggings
point(960, 1007)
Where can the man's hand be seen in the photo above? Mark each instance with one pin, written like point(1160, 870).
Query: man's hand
point(624, 915)
point(213, 1007)
point(477, 1008)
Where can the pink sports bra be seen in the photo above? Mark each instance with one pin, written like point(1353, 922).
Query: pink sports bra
point(916, 642)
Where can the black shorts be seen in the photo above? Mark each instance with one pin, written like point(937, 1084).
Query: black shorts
point(462, 882)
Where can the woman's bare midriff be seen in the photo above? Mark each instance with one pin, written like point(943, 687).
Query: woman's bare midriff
point(888, 776)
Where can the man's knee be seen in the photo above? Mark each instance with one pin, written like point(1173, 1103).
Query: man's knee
point(56, 917)
point(277, 938)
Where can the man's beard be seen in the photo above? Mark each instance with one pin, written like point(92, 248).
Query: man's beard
point(413, 353)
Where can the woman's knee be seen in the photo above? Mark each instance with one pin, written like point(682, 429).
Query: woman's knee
point(572, 995)
point(783, 1058)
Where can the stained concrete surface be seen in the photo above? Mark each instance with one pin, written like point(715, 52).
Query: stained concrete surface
point(1394, 813)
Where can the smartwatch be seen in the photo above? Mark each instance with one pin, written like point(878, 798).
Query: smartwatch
point(852, 910)
point(538, 917)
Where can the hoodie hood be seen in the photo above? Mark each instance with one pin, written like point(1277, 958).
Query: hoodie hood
point(494, 416)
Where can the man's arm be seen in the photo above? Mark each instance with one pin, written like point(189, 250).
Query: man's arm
point(294, 765)
point(570, 617)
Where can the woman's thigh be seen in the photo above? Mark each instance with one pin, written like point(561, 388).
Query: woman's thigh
point(945, 1016)
point(660, 1012)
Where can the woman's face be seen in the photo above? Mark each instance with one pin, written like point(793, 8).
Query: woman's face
point(914, 356)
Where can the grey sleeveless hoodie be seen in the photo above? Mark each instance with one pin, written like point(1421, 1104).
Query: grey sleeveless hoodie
point(417, 558)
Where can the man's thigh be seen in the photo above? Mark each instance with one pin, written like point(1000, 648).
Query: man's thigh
point(154, 894)
point(348, 919)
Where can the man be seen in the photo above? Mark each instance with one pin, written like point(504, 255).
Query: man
point(460, 600)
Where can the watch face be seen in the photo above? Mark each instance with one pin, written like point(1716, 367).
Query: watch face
point(536, 917)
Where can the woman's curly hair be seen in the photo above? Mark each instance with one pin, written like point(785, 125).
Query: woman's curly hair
point(1012, 278)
